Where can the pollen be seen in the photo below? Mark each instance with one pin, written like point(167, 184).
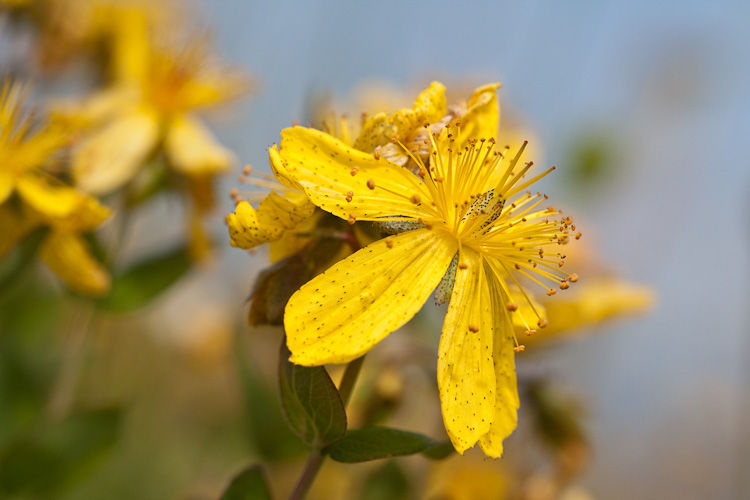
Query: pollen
point(354, 171)
point(511, 306)
point(389, 242)
point(473, 328)
point(371, 183)
point(349, 196)
point(415, 199)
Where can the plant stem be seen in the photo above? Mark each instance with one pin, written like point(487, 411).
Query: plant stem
point(316, 458)
point(314, 461)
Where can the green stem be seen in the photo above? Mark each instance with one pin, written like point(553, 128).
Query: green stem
point(316, 458)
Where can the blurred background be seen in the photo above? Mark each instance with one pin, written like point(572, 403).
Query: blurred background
point(641, 106)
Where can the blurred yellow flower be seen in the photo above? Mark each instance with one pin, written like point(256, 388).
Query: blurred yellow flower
point(148, 109)
point(41, 200)
point(467, 477)
point(465, 235)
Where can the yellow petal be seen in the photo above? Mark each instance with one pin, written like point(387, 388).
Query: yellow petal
point(483, 114)
point(111, 157)
point(16, 223)
point(291, 243)
point(323, 166)
point(507, 403)
point(249, 227)
point(376, 131)
point(87, 216)
point(344, 312)
point(7, 183)
point(193, 150)
point(430, 106)
point(466, 377)
point(68, 256)
point(55, 201)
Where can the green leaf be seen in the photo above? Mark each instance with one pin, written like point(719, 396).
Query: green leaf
point(138, 285)
point(58, 457)
point(250, 484)
point(439, 451)
point(310, 402)
point(269, 434)
point(373, 443)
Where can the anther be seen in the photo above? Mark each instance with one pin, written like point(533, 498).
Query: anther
point(463, 265)
point(354, 171)
point(529, 333)
point(541, 323)
point(519, 348)
point(389, 242)
point(415, 199)
point(376, 154)
point(233, 193)
point(473, 328)
point(573, 277)
point(511, 306)
point(578, 236)
point(564, 285)
point(352, 219)
point(551, 292)
point(247, 170)
point(371, 183)
point(349, 196)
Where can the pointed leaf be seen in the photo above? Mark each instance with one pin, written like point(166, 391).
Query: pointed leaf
point(311, 403)
point(373, 443)
point(250, 484)
point(138, 285)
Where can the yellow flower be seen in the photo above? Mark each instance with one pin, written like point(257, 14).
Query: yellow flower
point(277, 214)
point(149, 109)
point(44, 201)
point(467, 234)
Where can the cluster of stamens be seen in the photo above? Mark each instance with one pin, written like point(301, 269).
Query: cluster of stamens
point(513, 235)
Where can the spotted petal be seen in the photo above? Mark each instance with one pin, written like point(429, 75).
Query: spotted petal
point(482, 116)
point(344, 312)
point(505, 418)
point(430, 106)
point(466, 378)
point(249, 227)
point(331, 173)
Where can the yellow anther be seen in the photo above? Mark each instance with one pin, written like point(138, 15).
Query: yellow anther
point(371, 183)
point(389, 242)
point(473, 328)
point(573, 278)
point(511, 306)
point(415, 199)
point(541, 323)
point(354, 171)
